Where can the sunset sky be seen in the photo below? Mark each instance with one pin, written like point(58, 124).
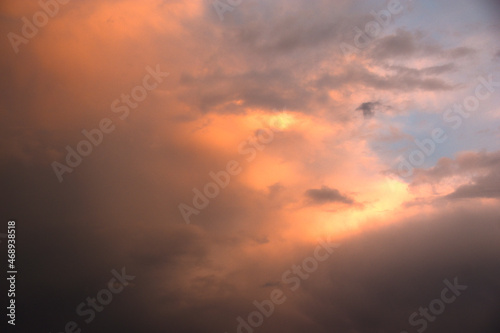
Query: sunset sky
point(337, 159)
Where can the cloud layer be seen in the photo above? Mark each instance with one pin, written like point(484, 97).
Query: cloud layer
point(313, 133)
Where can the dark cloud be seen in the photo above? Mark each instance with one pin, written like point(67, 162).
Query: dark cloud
point(290, 33)
point(264, 42)
point(327, 195)
point(419, 254)
point(375, 280)
point(480, 167)
point(407, 44)
point(218, 91)
point(119, 208)
point(403, 43)
point(482, 187)
point(269, 29)
point(368, 108)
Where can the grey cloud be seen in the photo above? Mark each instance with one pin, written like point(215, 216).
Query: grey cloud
point(289, 34)
point(410, 44)
point(217, 91)
point(266, 28)
point(432, 70)
point(435, 70)
point(368, 108)
point(418, 255)
point(482, 187)
point(120, 207)
point(327, 195)
point(270, 89)
point(374, 281)
point(460, 52)
point(402, 81)
point(481, 167)
point(402, 44)
point(310, 31)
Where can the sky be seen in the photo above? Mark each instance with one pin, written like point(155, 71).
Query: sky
point(251, 166)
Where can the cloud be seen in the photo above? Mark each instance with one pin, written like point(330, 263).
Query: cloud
point(402, 43)
point(480, 170)
point(327, 195)
point(224, 92)
point(407, 44)
point(119, 208)
point(482, 187)
point(400, 81)
point(432, 70)
point(368, 108)
point(420, 254)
